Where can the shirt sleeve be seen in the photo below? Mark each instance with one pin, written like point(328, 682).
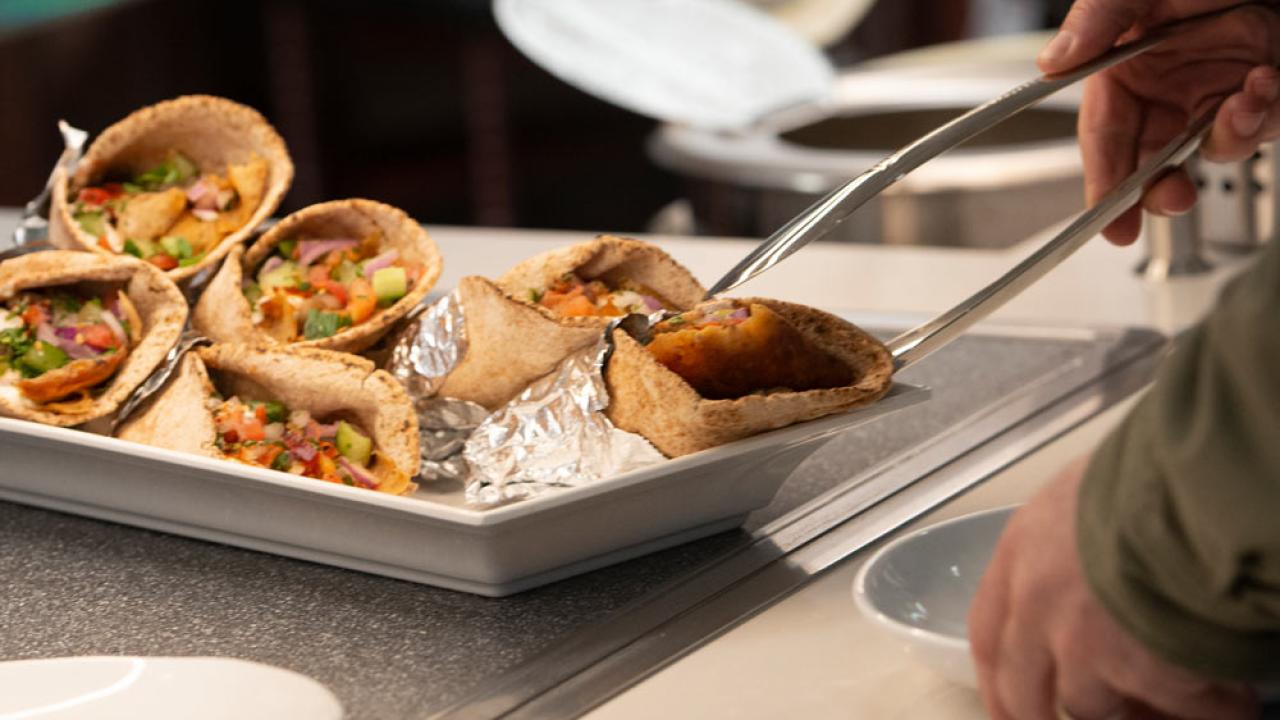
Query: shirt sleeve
point(1179, 519)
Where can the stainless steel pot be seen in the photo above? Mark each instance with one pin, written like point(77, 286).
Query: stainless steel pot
point(995, 191)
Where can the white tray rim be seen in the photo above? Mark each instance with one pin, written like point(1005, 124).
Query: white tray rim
point(899, 396)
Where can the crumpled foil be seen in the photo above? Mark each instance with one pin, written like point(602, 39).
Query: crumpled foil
point(554, 434)
point(423, 353)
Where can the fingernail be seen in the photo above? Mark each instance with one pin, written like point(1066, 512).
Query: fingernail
point(1058, 48)
point(1247, 124)
point(1268, 87)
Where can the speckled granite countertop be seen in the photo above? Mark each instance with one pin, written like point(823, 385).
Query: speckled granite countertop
point(388, 648)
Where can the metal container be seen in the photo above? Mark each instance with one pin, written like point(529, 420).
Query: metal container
point(995, 191)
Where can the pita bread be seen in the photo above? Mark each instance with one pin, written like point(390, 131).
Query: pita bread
point(158, 301)
point(512, 341)
point(607, 258)
point(647, 398)
point(224, 314)
point(326, 384)
point(211, 131)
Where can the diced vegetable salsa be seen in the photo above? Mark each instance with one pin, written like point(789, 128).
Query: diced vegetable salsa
point(57, 342)
point(571, 296)
point(721, 313)
point(270, 435)
point(171, 214)
point(314, 288)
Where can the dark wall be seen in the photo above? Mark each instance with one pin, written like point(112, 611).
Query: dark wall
point(420, 104)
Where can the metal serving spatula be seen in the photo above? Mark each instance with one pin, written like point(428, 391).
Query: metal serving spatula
point(822, 216)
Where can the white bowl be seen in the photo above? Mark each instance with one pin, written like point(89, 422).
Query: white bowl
point(918, 588)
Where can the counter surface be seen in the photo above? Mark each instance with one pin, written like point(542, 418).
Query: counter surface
point(809, 655)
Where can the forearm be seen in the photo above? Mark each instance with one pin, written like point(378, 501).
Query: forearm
point(1179, 521)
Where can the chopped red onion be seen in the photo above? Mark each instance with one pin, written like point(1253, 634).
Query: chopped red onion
point(272, 263)
point(652, 303)
point(110, 320)
point(298, 446)
point(362, 477)
point(197, 191)
point(316, 431)
point(740, 314)
point(310, 251)
point(205, 215)
point(46, 333)
point(384, 260)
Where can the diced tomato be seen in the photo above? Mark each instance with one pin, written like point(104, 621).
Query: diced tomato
point(94, 196)
point(34, 315)
point(268, 457)
point(578, 306)
point(98, 336)
point(260, 414)
point(104, 244)
point(363, 302)
point(319, 278)
point(231, 437)
point(162, 261)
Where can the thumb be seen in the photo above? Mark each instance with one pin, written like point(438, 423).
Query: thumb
point(1091, 28)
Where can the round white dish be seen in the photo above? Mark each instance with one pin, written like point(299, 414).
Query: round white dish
point(159, 688)
point(918, 588)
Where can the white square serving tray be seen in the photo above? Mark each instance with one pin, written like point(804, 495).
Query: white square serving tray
point(431, 536)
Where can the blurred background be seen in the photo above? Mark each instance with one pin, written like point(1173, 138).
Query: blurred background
point(423, 104)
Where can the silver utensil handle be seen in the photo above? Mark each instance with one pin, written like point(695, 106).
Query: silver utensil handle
point(913, 345)
point(830, 211)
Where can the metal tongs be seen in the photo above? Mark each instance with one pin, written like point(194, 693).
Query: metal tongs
point(822, 216)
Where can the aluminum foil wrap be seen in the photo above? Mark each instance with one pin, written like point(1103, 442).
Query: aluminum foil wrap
point(554, 434)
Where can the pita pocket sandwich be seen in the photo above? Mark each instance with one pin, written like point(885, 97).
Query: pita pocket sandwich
point(551, 305)
point(315, 413)
point(732, 368)
point(177, 184)
point(336, 275)
point(79, 332)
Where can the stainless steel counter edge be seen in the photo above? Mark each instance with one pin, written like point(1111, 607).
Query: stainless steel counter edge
point(600, 662)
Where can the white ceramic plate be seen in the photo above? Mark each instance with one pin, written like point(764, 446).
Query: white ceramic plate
point(919, 587)
point(151, 688)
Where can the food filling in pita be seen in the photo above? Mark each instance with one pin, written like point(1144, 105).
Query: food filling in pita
point(270, 435)
point(728, 349)
point(311, 288)
point(58, 344)
point(171, 214)
point(571, 296)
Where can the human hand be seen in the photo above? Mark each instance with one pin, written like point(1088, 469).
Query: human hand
point(1135, 108)
point(1042, 643)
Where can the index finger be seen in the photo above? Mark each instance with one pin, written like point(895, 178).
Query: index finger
point(1110, 127)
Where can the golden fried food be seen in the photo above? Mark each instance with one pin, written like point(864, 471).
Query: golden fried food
point(728, 350)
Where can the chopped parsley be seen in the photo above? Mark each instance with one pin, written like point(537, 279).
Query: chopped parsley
point(321, 324)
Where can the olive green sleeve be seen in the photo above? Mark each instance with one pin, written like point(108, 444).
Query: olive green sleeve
point(1179, 519)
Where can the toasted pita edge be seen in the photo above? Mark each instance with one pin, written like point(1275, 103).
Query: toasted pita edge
point(223, 313)
point(212, 131)
point(325, 383)
point(159, 303)
point(607, 256)
point(647, 398)
point(509, 344)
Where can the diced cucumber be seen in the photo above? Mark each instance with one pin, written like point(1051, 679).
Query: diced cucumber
point(41, 358)
point(286, 247)
point(345, 273)
point(252, 292)
point(141, 248)
point(176, 247)
point(321, 324)
point(94, 223)
point(287, 275)
point(282, 461)
point(353, 445)
point(276, 412)
point(390, 284)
